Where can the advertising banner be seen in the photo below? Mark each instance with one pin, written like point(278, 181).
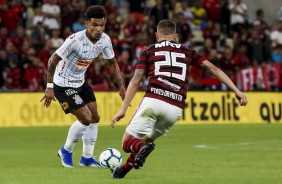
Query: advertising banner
point(24, 109)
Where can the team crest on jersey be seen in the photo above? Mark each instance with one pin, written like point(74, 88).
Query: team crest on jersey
point(65, 105)
point(77, 99)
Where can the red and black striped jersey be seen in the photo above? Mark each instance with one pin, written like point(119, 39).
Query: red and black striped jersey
point(167, 64)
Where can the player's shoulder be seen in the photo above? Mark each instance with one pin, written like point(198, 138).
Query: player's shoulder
point(186, 48)
point(105, 40)
point(150, 47)
point(79, 36)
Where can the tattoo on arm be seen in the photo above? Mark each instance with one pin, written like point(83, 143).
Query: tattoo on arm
point(138, 74)
point(52, 64)
point(205, 67)
point(114, 68)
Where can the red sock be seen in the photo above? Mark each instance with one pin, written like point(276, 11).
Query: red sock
point(132, 145)
point(129, 163)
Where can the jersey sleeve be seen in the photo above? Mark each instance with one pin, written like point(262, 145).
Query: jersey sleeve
point(68, 47)
point(108, 51)
point(197, 59)
point(141, 63)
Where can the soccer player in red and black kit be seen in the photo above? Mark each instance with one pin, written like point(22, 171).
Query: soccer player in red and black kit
point(167, 64)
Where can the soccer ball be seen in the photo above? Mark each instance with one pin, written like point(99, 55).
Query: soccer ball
point(110, 157)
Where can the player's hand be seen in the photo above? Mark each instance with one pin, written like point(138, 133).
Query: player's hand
point(48, 96)
point(117, 117)
point(242, 99)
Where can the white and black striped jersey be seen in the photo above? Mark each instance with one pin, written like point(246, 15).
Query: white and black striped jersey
point(77, 53)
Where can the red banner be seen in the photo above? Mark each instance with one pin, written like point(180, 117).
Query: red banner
point(263, 77)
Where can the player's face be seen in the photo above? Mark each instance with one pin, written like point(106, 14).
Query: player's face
point(95, 28)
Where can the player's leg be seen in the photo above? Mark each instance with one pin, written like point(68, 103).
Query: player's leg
point(132, 139)
point(71, 102)
point(89, 138)
point(166, 115)
point(130, 144)
point(75, 133)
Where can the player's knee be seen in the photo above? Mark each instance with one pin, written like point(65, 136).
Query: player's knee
point(95, 119)
point(86, 120)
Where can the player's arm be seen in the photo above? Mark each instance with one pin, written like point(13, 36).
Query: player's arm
point(206, 65)
point(115, 71)
point(131, 91)
point(49, 93)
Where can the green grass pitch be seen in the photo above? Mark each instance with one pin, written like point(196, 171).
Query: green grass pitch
point(196, 154)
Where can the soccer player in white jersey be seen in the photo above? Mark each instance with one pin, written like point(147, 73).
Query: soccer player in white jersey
point(65, 81)
point(167, 64)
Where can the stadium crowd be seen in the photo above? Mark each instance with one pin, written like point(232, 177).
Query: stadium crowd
point(249, 51)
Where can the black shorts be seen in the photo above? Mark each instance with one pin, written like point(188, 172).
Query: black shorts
point(74, 98)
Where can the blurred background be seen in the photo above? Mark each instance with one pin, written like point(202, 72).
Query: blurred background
point(242, 37)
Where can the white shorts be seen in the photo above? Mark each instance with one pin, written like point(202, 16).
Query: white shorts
point(153, 118)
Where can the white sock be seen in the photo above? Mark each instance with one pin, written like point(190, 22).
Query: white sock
point(76, 131)
point(89, 140)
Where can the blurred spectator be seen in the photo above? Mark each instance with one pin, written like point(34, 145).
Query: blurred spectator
point(208, 46)
point(3, 37)
point(184, 30)
point(113, 26)
point(227, 63)
point(38, 36)
point(27, 60)
point(212, 8)
point(258, 49)
point(137, 6)
point(18, 37)
point(125, 66)
point(185, 10)
point(12, 77)
point(24, 49)
point(95, 76)
point(34, 76)
point(211, 31)
point(159, 12)
point(45, 53)
point(279, 14)
point(67, 32)
point(69, 13)
point(12, 15)
point(52, 14)
point(239, 13)
point(130, 29)
point(79, 25)
point(38, 16)
point(3, 66)
point(260, 21)
point(80, 7)
point(225, 16)
point(277, 54)
point(199, 13)
point(56, 40)
point(11, 52)
point(241, 59)
point(276, 35)
point(140, 44)
point(111, 8)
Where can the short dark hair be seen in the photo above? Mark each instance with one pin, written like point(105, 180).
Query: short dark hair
point(95, 11)
point(166, 27)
